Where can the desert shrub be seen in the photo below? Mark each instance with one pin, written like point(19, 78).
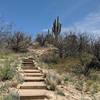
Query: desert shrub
point(86, 58)
point(94, 75)
point(36, 45)
point(96, 48)
point(12, 96)
point(52, 80)
point(60, 91)
point(60, 45)
point(5, 31)
point(50, 57)
point(79, 85)
point(69, 78)
point(93, 64)
point(7, 72)
point(77, 70)
point(71, 44)
point(49, 38)
point(3, 88)
point(95, 88)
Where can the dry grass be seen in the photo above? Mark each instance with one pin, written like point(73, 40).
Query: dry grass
point(65, 65)
point(72, 70)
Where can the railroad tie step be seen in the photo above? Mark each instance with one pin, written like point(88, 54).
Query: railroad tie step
point(33, 79)
point(30, 71)
point(29, 94)
point(27, 60)
point(33, 74)
point(26, 67)
point(33, 85)
point(27, 63)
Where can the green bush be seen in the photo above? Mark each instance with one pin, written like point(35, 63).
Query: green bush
point(7, 72)
point(12, 96)
point(51, 57)
point(86, 57)
point(52, 80)
point(79, 85)
point(77, 70)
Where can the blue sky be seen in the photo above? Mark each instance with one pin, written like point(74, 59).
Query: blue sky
point(35, 16)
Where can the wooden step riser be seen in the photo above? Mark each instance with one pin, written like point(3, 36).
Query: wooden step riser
point(25, 65)
point(33, 80)
point(29, 67)
point(33, 87)
point(30, 72)
point(27, 60)
point(28, 63)
point(34, 75)
point(23, 71)
point(32, 97)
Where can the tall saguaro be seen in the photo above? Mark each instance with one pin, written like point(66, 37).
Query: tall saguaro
point(56, 29)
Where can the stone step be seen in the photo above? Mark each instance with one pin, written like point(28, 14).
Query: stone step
point(29, 67)
point(34, 99)
point(27, 60)
point(29, 94)
point(27, 63)
point(33, 85)
point(33, 79)
point(33, 74)
point(30, 71)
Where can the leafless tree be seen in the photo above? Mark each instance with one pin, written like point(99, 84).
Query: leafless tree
point(41, 39)
point(19, 42)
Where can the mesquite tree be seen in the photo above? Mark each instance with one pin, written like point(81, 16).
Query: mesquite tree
point(19, 42)
point(40, 39)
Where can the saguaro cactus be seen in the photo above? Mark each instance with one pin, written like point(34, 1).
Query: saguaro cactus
point(56, 29)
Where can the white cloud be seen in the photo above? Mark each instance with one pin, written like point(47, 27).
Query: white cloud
point(91, 23)
point(45, 30)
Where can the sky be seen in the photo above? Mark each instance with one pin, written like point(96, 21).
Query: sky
point(34, 16)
